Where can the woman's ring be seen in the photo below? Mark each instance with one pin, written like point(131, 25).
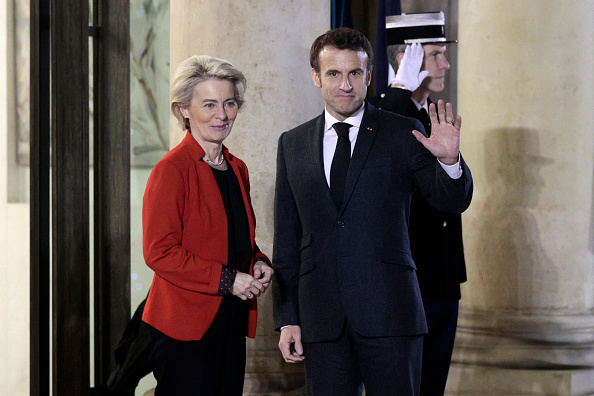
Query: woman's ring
point(250, 295)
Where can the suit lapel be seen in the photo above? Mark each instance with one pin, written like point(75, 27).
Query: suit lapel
point(317, 150)
point(365, 138)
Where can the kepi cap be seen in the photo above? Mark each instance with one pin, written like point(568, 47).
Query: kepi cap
point(423, 28)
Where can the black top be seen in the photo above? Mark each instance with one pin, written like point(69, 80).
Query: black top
point(233, 312)
point(240, 247)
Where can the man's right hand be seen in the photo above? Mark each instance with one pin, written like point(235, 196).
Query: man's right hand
point(290, 344)
point(409, 75)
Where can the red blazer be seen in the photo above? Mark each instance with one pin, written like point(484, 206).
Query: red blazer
point(185, 241)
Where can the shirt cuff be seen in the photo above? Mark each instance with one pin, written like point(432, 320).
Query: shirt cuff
point(227, 279)
point(454, 171)
point(285, 326)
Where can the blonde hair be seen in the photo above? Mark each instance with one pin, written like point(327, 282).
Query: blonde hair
point(197, 69)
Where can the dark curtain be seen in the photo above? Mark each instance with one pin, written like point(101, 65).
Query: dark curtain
point(368, 17)
point(341, 14)
point(384, 7)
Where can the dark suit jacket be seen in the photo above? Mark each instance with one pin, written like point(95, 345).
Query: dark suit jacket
point(435, 235)
point(354, 261)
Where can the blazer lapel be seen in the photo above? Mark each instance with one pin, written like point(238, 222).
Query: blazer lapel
point(365, 138)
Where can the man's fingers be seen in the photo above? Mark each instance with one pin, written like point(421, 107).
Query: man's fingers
point(298, 347)
point(290, 356)
point(290, 344)
point(449, 113)
point(293, 359)
point(441, 110)
point(458, 123)
point(433, 114)
point(420, 137)
point(285, 349)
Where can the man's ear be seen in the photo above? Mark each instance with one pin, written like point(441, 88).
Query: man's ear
point(316, 78)
point(399, 57)
point(369, 76)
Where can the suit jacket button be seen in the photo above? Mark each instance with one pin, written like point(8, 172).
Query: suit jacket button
point(341, 224)
point(445, 223)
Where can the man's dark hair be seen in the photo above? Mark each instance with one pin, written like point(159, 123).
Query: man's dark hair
point(342, 39)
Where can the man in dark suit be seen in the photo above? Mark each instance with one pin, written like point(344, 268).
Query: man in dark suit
point(435, 235)
point(346, 296)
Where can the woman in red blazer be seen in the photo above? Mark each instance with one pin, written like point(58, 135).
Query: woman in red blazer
point(199, 238)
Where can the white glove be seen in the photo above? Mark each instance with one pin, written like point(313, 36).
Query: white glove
point(409, 71)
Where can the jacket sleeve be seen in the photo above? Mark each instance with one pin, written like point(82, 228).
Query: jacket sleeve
point(287, 231)
point(162, 214)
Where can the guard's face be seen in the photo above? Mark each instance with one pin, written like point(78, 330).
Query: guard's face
point(343, 80)
point(436, 64)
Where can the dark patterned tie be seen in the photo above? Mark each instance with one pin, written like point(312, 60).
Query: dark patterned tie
point(340, 162)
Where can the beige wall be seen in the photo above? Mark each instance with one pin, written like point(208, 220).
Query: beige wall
point(526, 94)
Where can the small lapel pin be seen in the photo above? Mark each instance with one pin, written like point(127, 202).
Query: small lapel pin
point(369, 129)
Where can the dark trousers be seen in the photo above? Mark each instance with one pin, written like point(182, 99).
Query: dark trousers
point(213, 365)
point(385, 365)
point(442, 319)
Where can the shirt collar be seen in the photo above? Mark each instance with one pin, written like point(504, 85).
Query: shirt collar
point(354, 120)
point(423, 106)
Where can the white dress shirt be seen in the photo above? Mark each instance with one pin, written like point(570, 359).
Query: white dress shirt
point(331, 137)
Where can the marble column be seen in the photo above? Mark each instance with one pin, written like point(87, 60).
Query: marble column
point(526, 94)
point(269, 42)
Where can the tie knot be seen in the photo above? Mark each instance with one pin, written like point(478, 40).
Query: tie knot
point(342, 129)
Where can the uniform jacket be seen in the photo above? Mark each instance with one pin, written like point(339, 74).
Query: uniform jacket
point(354, 261)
